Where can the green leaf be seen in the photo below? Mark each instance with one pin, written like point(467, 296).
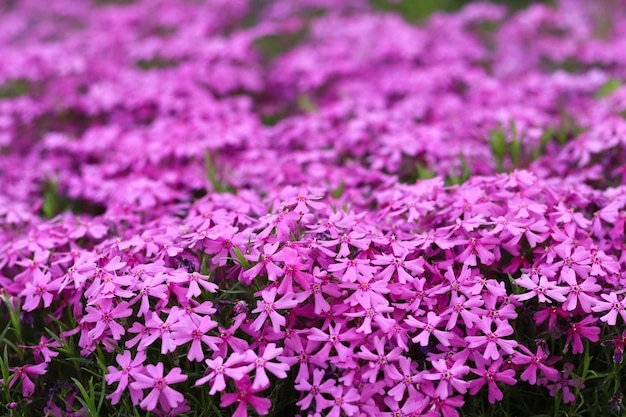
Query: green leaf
point(423, 172)
point(498, 146)
point(14, 88)
point(608, 87)
point(338, 192)
point(240, 258)
point(305, 103)
point(88, 396)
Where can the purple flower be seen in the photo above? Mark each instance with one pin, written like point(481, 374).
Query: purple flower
point(161, 393)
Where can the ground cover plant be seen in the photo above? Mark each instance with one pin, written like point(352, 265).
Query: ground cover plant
point(314, 208)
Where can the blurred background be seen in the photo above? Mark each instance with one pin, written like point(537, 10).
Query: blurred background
point(414, 10)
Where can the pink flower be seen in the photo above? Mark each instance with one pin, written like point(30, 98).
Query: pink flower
point(129, 370)
point(231, 368)
point(613, 305)
point(24, 374)
point(534, 362)
point(268, 306)
point(493, 340)
point(188, 329)
point(581, 329)
point(161, 393)
point(449, 377)
point(104, 316)
point(429, 328)
point(39, 289)
point(262, 363)
point(345, 402)
point(491, 376)
point(542, 289)
point(333, 340)
point(245, 397)
point(314, 391)
point(265, 262)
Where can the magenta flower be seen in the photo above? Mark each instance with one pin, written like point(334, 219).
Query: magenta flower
point(231, 368)
point(578, 330)
point(24, 374)
point(405, 377)
point(491, 375)
point(314, 391)
point(267, 308)
point(534, 362)
point(188, 329)
point(429, 328)
point(39, 289)
point(262, 363)
point(333, 340)
point(245, 397)
point(344, 402)
point(265, 262)
point(104, 316)
point(161, 393)
point(492, 340)
point(125, 375)
point(541, 288)
point(613, 305)
point(449, 377)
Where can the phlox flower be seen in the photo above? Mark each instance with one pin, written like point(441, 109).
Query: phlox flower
point(397, 266)
point(565, 384)
point(446, 407)
point(333, 340)
point(159, 329)
point(613, 305)
point(265, 262)
point(542, 289)
point(355, 239)
point(24, 374)
point(188, 329)
point(580, 329)
point(348, 270)
point(125, 375)
point(491, 375)
point(244, 397)
point(493, 340)
point(293, 270)
point(468, 309)
point(429, 328)
point(367, 292)
point(619, 341)
point(379, 361)
point(161, 393)
point(550, 313)
point(42, 351)
point(104, 316)
point(450, 377)
point(534, 362)
point(219, 368)
point(405, 378)
point(344, 403)
point(320, 287)
point(39, 288)
point(83, 269)
point(410, 407)
point(262, 363)
point(304, 201)
point(267, 308)
point(299, 351)
point(315, 389)
point(375, 315)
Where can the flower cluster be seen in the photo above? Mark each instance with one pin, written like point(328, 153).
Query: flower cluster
point(269, 209)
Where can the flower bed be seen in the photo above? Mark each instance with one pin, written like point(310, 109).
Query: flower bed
point(231, 208)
